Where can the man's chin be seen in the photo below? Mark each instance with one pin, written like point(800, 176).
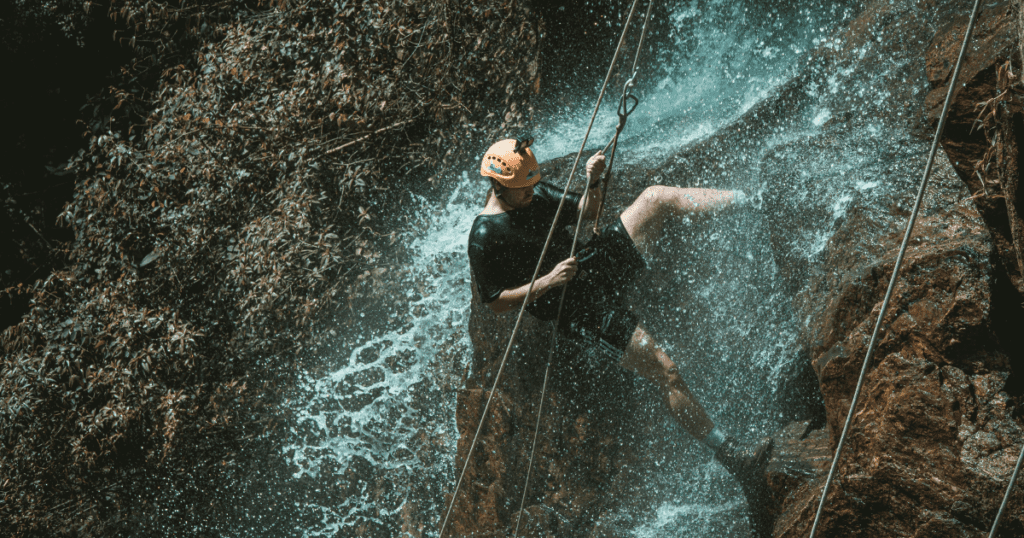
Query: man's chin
point(524, 203)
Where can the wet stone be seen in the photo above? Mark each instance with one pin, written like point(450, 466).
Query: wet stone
point(368, 355)
point(367, 377)
point(359, 400)
point(310, 432)
point(400, 361)
point(339, 425)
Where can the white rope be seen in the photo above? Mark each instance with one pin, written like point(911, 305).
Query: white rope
point(1006, 497)
point(533, 280)
point(896, 268)
point(575, 238)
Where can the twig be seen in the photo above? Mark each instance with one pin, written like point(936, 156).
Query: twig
point(40, 235)
point(356, 162)
point(360, 139)
point(983, 188)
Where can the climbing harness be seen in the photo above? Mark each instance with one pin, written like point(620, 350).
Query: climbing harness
point(533, 281)
point(896, 268)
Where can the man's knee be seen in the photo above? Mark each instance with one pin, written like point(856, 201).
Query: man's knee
point(667, 374)
point(653, 194)
point(647, 207)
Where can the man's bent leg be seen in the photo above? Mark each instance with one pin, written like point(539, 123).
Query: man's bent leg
point(745, 461)
point(647, 359)
point(645, 217)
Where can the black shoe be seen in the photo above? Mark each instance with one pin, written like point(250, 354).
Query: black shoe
point(745, 461)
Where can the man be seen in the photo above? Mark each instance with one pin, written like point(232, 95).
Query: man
point(506, 241)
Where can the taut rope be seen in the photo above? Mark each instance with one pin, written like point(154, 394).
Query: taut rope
point(625, 109)
point(896, 268)
point(1006, 497)
point(536, 272)
point(579, 225)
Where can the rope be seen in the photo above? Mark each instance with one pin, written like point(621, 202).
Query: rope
point(536, 272)
point(624, 111)
point(579, 226)
point(896, 269)
point(533, 448)
point(1006, 498)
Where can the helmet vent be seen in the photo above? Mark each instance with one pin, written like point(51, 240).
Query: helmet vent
point(501, 162)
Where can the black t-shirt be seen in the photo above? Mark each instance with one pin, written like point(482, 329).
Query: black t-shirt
point(504, 248)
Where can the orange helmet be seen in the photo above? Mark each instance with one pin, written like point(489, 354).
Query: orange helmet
point(511, 163)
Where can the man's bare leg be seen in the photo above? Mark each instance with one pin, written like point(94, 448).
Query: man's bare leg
point(645, 217)
point(647, 359)
point(745, 461)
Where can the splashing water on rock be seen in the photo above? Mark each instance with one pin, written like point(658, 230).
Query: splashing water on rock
point(784, 104)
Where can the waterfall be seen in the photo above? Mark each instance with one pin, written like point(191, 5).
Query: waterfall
point(380, 423)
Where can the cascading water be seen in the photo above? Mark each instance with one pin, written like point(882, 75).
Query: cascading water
point(380, 426)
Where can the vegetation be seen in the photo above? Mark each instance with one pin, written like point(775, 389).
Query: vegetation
point(219, 207)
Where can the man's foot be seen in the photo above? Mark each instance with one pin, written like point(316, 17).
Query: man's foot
point(745, 461)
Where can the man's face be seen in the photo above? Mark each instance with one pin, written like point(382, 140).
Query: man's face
point(518, 198)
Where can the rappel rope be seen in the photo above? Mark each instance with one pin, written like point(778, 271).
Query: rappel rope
point(896, 268)
point(1006, 497)
point(624, 111)
point(579, 222)
point(536, 272)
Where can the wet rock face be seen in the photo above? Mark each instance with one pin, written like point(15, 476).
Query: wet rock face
point(935, 437)
point(800, 457)
point(938, 426)
point(939, 423)
point(918, 443)
point(906, 451)
point(579, 452)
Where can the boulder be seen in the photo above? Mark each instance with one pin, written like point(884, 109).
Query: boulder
point(938, 425)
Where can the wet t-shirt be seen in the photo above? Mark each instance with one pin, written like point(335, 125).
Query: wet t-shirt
point(504, 248)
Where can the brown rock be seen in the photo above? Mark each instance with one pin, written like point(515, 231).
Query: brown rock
point(984, 153)
point(796, 474)
point(923, 457)
point(578, 452)
point(911, 453)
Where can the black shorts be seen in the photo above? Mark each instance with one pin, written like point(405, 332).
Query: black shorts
point(595, 309)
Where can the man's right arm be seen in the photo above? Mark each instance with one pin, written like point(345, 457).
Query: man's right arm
point(514, 297)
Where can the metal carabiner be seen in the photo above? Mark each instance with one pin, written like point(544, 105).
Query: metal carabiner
point(624, 109)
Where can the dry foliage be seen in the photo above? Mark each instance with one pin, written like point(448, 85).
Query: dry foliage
point(217, 213)
point(993, 114)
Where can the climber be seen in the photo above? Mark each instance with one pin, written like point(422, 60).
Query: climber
point(505, 243)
